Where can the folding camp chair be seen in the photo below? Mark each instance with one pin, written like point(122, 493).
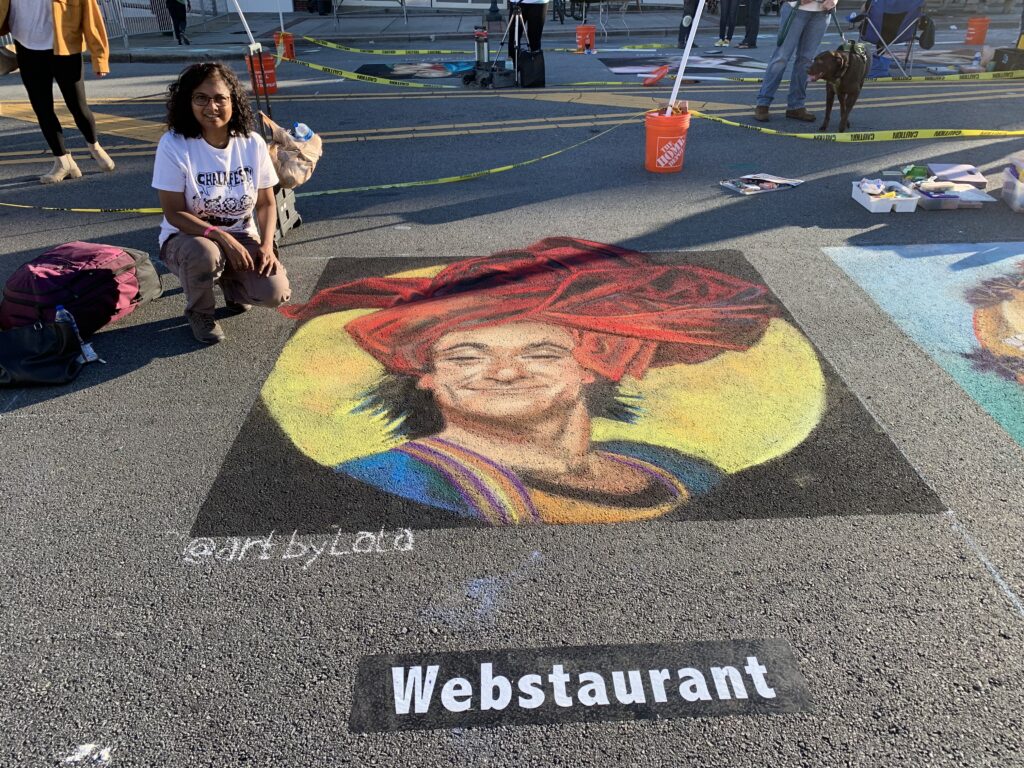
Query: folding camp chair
point(888, 23)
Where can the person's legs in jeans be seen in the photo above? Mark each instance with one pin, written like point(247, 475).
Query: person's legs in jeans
point(809, 40)
point(70, 75)
point(780, 58)
point(753, 24)
point(36, 73)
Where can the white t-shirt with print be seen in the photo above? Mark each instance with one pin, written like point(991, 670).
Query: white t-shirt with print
point(220, 185)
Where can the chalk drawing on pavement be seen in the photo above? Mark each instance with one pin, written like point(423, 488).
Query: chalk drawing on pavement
point(562, 382)
point(962, 304)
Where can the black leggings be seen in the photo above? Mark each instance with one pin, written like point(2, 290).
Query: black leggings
point(533, 15)
point(178, 17)
point(38, 71)
point(727, 10)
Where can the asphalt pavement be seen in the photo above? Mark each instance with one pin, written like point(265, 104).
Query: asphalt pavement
point(879, 562)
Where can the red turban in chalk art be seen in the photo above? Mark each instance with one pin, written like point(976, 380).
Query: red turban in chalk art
point(626, 313)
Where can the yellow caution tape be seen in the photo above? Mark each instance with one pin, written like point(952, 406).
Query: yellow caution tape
point(83, 210)
point(383, 51)
point(474, 174)
point(369, 188)
point(365, 78)
point(852, 138)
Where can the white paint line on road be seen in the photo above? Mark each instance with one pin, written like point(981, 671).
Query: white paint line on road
point(992, 570)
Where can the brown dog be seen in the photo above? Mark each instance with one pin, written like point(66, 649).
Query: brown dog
point(843, 72)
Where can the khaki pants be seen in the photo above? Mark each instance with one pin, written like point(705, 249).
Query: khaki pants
point(199, 262)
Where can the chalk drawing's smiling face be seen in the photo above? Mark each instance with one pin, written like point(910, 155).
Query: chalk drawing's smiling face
point(514, 373)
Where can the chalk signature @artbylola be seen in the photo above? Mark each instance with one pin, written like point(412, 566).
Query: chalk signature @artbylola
point(277, 547)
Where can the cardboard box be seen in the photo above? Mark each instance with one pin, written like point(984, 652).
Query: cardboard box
point(1007, 59)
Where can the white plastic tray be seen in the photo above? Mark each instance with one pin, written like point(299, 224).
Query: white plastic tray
point(886, 205)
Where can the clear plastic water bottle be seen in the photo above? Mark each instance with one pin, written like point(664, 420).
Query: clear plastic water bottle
point(302, 132)
point(62, 315)
point(976, 61)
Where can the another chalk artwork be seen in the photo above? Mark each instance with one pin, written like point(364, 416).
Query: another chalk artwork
point(407, 70)
point(734, 65)
point(564, 382)
point(966, 309)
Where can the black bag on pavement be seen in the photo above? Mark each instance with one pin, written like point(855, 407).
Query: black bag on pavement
point(41, 353)
point(531, 69)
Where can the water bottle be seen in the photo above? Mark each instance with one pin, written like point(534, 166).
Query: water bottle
point(88, 353)
point(302, 132)
point(976, 61)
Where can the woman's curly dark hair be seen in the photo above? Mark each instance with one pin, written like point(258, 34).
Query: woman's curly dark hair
point(179, 100)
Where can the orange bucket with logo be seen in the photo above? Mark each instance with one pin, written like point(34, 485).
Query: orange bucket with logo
point(264, 78)
point(285, 44)
point(666, 141)
point(977, 30)
point(586, 38)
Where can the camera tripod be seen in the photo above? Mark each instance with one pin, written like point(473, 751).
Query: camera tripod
point(515, 23)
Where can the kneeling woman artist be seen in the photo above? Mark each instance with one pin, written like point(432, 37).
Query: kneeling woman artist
point(216, 180)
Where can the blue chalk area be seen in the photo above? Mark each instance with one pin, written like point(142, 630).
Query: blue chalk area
point(922, 288)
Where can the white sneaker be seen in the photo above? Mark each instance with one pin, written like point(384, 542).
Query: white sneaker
point(719, 43)
point(64, 167)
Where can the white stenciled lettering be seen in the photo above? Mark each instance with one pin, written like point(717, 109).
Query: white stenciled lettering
point(457, 694)
point(757, 672)
point(558, 678)
point(592, 689)
point(726, 676)
point(532, 686)
point(488, 684)
point(693, 686)
point(413, 690)
point(658, 678)
point(635, 693)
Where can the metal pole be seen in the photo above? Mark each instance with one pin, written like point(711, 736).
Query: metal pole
point(686, 56)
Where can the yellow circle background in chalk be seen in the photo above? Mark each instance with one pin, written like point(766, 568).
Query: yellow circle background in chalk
point(736, 410)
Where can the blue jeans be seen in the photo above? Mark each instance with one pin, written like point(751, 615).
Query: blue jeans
point(803, 39)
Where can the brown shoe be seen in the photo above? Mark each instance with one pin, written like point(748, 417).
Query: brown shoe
point(801, 114)
point(204, 328)
point(761, 114)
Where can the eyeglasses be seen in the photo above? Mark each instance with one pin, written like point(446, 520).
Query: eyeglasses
point(201, 100)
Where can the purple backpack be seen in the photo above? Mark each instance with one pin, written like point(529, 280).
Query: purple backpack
point(97, 283)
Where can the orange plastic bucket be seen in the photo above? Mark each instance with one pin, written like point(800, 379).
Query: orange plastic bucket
point(977, 29)
point(666, 141)
point(285, 44)
point(265, 79)
point(586, 38)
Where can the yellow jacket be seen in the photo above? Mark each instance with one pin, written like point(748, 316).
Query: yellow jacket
point(74, 22)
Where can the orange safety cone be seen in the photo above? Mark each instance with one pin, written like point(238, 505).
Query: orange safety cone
point(665, 141)
point(656, 76)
